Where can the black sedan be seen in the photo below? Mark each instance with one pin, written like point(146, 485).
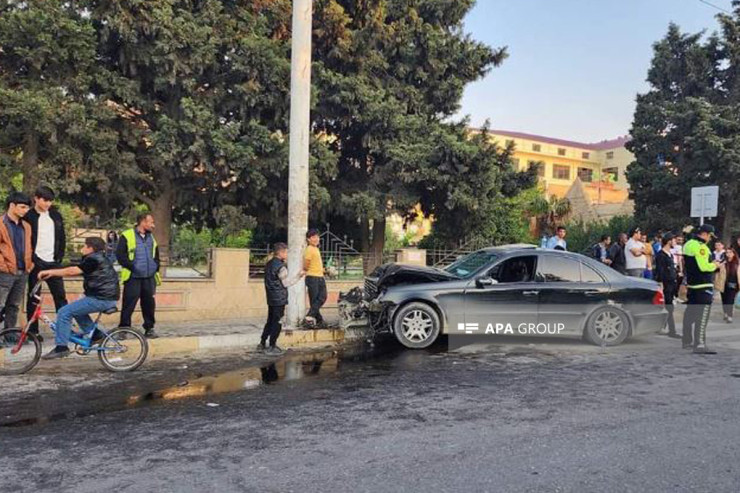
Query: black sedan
point(508, 290)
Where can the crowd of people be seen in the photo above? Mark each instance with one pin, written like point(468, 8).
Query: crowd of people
point(691, 266)
point(32, 249)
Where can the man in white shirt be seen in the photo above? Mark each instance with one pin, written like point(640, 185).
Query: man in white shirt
point(634, 254)
point(49, 242)
point(557, 242)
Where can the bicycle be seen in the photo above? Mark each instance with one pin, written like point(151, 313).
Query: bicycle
point(122, 349)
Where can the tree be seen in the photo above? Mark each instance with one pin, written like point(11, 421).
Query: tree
point(389, 76)
point(686, 130)
point(48, 128)
point(549, 213)
point(200, 93)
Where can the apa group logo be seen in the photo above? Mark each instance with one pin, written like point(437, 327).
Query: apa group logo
point(469, 328)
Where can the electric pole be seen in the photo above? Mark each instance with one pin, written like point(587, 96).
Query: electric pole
point(300, 131)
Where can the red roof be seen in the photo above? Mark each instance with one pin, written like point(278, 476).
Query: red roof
point(596, 146)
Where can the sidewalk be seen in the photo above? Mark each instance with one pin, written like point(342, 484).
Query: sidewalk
point(207, 335)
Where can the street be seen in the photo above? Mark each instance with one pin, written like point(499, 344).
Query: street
point(502, 415)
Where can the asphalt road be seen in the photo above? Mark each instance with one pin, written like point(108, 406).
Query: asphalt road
point(551, 416)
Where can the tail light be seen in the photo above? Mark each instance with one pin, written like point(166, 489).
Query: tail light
point(658, 298)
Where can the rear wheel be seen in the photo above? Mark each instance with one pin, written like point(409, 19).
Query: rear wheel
point(416, 325)
point(124, 349)
point(607, 326)
point(15, 359)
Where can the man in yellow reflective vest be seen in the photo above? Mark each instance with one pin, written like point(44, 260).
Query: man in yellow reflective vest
point(138, 255)
point(700, 285)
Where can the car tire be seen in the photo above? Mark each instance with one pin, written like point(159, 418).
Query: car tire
point(607, 326)
point(416, 325)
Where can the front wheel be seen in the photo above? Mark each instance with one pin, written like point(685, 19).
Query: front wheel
point(607, 326)
point(16, 358)
point(123, 349)
point(416, 325)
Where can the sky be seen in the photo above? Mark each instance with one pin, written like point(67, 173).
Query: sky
point(574, 66)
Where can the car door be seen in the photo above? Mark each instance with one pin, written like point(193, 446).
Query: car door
point(504, 297)
point(569, 291)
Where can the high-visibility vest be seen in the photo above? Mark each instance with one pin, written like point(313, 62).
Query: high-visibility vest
point(130, 236)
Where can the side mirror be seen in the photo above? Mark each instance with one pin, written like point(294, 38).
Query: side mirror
point(484, 282)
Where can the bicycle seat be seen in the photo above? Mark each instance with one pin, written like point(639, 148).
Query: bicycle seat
point(110, 310)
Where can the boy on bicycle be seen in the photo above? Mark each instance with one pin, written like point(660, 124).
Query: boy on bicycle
point(101, 293)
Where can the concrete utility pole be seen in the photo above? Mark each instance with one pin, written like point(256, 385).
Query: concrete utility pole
point(300, 108)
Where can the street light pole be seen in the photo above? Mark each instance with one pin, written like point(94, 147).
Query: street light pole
point(300, 107)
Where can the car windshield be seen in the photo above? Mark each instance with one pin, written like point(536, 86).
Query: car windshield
point(468, 265)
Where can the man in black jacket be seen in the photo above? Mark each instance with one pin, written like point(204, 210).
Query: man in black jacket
point(101, 294)
point(667, 274)
point(616, 254)
point(49, 241)
point(276, 289)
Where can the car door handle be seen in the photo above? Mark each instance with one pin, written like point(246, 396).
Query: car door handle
point(530, 293)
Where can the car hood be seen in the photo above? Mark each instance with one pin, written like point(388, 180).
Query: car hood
point(395, 274)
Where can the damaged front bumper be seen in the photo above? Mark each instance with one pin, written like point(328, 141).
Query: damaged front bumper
point(357, 311)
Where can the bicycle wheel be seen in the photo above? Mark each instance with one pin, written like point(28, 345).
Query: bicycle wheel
point(123, 349)
point(15, 360)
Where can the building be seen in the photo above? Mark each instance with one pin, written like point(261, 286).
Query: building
point(592, 175)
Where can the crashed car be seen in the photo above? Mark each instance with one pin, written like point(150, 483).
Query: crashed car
point(513, 287)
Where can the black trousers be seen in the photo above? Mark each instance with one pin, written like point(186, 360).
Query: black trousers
point(669, 292)
point(135, 290)
point(56, 287)
point(696, 318)
point(728, 300)
point(316, 296)
point(273, 326)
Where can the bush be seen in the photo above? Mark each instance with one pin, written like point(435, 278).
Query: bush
point(581, 235)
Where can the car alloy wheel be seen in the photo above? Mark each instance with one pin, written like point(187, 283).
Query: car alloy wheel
point(416, 325)
point(607, 326)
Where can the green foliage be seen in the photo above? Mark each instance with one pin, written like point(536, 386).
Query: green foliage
point(192, 245)
point(581, 235)
point(686, 129)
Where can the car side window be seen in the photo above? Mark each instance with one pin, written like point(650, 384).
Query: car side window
point(517, 269)
point(590, 275)
point(558, 269)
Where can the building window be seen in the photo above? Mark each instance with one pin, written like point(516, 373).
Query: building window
point(561, 151)
point(586, 175)
point(561, 172)
point(610, 155)
point(539, 166)
point(536, 148)
point(586, 155)
point(613, 173)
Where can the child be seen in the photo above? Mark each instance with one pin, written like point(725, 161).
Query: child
point(276, 288)
point(101, 293)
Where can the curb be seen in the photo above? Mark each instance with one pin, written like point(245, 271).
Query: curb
point(165, 346)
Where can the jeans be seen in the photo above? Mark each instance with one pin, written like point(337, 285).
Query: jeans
point(56, 287)
point(11, 294)
point(273, 326)
point(80, 310)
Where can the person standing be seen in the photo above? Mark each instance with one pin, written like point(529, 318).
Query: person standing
point(667, 274)
point(315, 282)
point(719, 252)
point(732, 270)
point(48, 241)
point(111, 245)
point(276, 290)
point(558, 242)
point(138, 255)
point(699, 272)
point(616, 254)
point(600, 251)
point(649, 253)
point(634, 254)
point(16, 255)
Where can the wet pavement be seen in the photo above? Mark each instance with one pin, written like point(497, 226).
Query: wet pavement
point(503, 415)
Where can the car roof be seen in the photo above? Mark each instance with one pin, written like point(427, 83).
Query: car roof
point(510, 248)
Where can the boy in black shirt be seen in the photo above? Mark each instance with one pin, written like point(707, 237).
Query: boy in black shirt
point(101, 293)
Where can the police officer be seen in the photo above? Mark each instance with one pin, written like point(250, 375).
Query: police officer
point(700, 289)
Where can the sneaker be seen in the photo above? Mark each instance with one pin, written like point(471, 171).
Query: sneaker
point(261, 347)
point(150, 334)
point(703, 350)
point(729, 320)
point(57, 352)
point(687, 346)
point(274, 350)
point(673, 335)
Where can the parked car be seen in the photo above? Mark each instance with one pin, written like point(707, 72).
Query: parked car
point(509, 286)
